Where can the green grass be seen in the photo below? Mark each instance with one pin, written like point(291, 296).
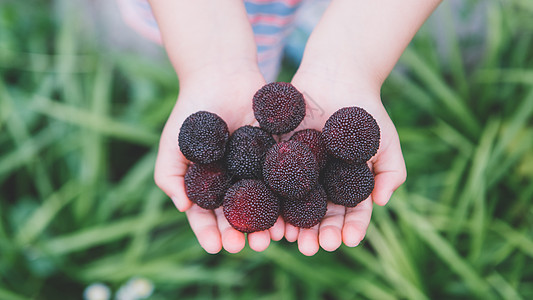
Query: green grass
point(79, 126)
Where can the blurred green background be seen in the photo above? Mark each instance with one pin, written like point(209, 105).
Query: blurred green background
point(80, 119)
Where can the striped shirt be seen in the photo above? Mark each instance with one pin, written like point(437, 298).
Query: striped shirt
point(271, 22)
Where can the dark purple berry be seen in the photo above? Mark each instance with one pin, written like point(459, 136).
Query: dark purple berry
point(347, 184)
point(249, 206)
point(279, 107)
point(206, 185)
point(290, 169)
point(352, 135)
point(308, 211)
point(203, 137)
point(247, 148)
point(313, 139)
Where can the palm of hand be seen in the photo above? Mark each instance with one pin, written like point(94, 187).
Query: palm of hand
point(348, 225)
point(230, 98)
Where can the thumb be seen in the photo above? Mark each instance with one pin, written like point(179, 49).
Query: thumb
point(170, 169)
point(390, 173)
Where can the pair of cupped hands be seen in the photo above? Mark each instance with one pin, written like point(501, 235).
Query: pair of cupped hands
point(228, 92)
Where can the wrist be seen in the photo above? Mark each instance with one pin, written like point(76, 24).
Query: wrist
point(326, 92)
point(332, 79)
point(215, 70)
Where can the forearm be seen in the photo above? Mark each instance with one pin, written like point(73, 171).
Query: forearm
point(204, 34)
point(364, 38)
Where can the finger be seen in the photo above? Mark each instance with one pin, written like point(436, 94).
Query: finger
point(232, 240)
point(356, 223)
point(308, 240)
point(203, 223)
point(170, 169)
point(291, 232)
point(278, 230)
point(390, 173)
point(330, 230)
point(259, 240)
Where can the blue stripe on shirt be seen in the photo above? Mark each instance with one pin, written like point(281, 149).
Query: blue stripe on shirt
point(267, 29)
point(277, 8)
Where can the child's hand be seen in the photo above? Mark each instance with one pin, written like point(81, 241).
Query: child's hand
point(229, 96)
point(325, 94)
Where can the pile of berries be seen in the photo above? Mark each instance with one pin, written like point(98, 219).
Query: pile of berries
point(257, 179)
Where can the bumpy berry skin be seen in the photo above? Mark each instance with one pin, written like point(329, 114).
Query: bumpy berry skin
point(249, 206)
point(278, 107)
point(247, 148)
point(347, 184)
point(203, 137)
point(206, 184)
point(351, 134)
point(290, 169)
point(308, 211)
point(313, 139)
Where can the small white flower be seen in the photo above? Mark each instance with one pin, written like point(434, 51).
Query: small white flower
point(141, 287)
point(125, 293)
point(97, 291)
point(135, 289)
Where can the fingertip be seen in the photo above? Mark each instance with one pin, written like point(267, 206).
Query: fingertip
point(386, 182)
point(291, 232)
point(259, 240)
point(278, 230)
point(352, 235)
point(233, 241)
point(381, 198)
point(383, 189)
point(209, 240)
point(181, 204)
point(308, 241)
point(330, 238)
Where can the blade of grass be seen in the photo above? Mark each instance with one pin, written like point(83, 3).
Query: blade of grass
point(168, 268)
point(454, 51)
point(8, 295)
point(521, 241)
point(92, 169)
point(442, 248)
point(497, 76)
point(141, 239)
point(416, 94)
point(394, 262)
point(474, 192)
point(478, 188)
point(521, 207)
point(458, 110)
point(330, 277)
point(453, 137)
point(20, 134)
point(517, 121)
point(503, 287)
point(369, 261)
point(28, 150)
point(517, 152)
point(168, 272)
point(45, 214)
point(101, 234)
point(494, 35)
point(284, 286)
point(103, 125)
point(66, 43)
point(133, 183)
point(454, 180)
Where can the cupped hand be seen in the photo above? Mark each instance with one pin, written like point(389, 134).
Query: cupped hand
point(229, 95)
point(325, 93)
